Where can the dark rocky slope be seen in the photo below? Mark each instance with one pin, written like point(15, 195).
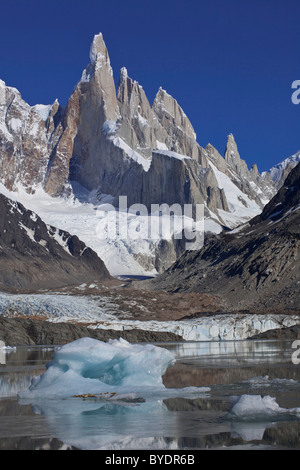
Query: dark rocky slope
point(34, 255)
point(256, 267)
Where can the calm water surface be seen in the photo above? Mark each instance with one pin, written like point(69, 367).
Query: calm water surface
point(229, 368)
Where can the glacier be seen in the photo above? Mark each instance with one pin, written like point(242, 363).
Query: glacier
point(222, 327)
point(90, 219)
point(100, 311)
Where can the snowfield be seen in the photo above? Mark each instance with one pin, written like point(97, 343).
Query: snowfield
point(242, 208)
point(95, 223)
point(81, 219)
point(58, 307)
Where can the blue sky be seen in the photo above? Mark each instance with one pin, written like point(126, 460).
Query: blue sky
point(230, 64)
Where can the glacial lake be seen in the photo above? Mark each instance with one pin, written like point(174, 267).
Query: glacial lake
point(248, 398)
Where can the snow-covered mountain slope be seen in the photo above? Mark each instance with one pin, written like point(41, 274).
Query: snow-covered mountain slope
point(95, 224)
point(279, 172)
point(241, 206)
point(34, 255)
point(139, 250)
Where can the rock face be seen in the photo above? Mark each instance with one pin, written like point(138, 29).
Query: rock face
point(114, 142)
point(129, 148)
point(34, 255)
point(256, 267)
point(28, 136)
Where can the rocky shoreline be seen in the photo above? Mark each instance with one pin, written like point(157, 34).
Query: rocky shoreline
point(292, 333)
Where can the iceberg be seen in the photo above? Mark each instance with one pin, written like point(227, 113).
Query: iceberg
point(258, 408)
point(114, 370)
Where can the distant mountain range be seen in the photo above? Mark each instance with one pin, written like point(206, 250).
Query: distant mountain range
point(110, 142)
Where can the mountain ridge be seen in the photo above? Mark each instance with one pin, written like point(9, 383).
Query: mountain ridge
point(70, 144)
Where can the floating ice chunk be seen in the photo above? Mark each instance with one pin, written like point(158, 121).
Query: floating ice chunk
point(91, 366)
point(249, 405)
point(257, 408)
point(267, 382)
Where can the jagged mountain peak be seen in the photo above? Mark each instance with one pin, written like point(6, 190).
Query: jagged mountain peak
point(164, 104)
point(128, 89)
point(233, 158)
point(123, 74)
point(230, 137)
point(98, 50)
point(144, 128)
point(80, 151)
point(231, 151)
point(9, 94)
point(254, 169)
point(99, 70)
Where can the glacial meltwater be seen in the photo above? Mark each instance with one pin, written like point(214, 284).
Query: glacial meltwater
point(91, 395)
